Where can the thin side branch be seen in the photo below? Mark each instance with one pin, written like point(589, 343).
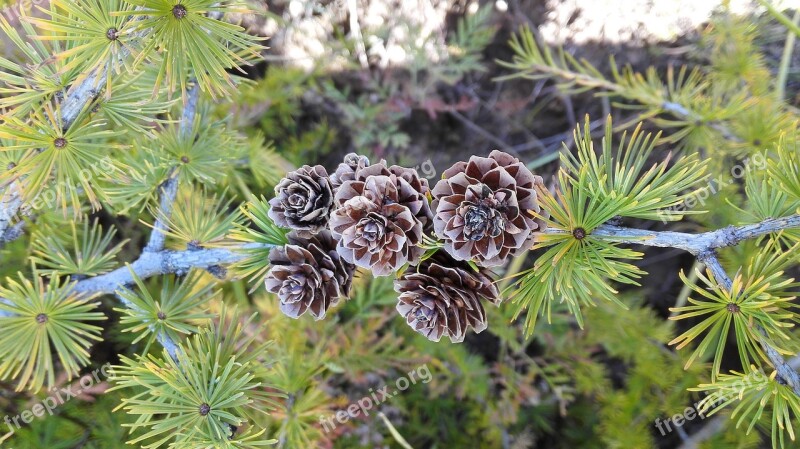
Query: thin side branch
point(81, 95)
point(162, 262)
point(77, 98)
point(785, 370)
point(169, 190)
point(695, 243)
point(10, 204)
point(12, 233)
point(84, 93)
point(704, 246)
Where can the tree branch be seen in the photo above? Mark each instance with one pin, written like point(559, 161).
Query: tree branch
point(162, 262)
point(12, 233)
point(704, 247)
point(76, 99)
point(10, 204)
point(84, 93)
point(169, 189)
point(694, 243)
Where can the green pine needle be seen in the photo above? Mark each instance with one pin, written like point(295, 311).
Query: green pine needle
point(264, 232)
point(34, 78)
point(199, 221)
point(249, 439)
point(49, 326)
point(746, 307)
point(134, 180)
point(593, 190)
point(173, 311)
point(200, 155)
point(84, 252)
point(649, 193)
point(195, 45)
point(785, 169)
point(766, 200)
point(131, 108)
point(97, 38)
point(68, 158)
point(757, 397)
point(214, 384)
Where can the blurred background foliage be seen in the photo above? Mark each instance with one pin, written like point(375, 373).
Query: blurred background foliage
point(433, 82)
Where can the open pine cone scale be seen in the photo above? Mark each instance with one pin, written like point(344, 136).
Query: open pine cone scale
point(377, 217)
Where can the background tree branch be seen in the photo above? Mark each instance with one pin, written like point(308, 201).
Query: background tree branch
point(695, 243)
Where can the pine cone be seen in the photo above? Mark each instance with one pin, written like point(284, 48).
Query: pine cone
point(444, 297)
point(308, 274)
point(380, 218)
point(303, 200)
point(482, 208)
point(353, 163)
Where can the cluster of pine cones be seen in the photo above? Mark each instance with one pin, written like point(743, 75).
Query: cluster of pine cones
point(374, 216)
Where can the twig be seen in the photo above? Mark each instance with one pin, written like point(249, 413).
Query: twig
point(151, 264)
point(13, 233)
point(786, 61)
point(169, 344)
point(162, 337)
point(355, 28)
point(169, 189)
point(694, 243)
point(486, 134)
point(710, 260)
point(784, 369)
point(590, 81)
point(190, 111)
point(163, 262)
point(703, 246)
point(10, 204)
point(76, 99)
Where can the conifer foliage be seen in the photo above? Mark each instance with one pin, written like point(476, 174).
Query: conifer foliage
point(111, 108)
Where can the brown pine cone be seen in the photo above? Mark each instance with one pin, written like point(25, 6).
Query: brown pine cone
point(347, 170)
point(380, 218)
point(444, 297)
point(482, 208)
point(303, 200)
point(308, 274)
